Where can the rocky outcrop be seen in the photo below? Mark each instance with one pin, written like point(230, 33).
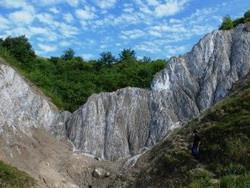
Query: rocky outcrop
point(206, 74)
point(22, 106)
point(120, 124)
point(117, 123)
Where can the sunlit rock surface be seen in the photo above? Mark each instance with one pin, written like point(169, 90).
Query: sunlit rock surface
point(23, 106)
point(122, 123)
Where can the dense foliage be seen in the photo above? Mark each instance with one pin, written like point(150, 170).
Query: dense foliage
point(70, 80)
point(20, 48)
point(228, 23)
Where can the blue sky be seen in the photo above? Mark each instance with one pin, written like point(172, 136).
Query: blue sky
point(153, 28)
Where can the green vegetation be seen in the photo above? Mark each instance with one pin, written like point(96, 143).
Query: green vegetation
point(225, 148)
point(228, 23)
point(11, 177)
point(70, 80)
point(20, 48)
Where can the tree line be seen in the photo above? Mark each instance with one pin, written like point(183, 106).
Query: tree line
point(69, 79)
point(228, 23)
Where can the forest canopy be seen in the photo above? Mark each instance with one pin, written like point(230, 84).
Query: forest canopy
point(69, 80)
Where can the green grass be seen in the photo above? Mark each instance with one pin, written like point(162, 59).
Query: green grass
point(11, 177)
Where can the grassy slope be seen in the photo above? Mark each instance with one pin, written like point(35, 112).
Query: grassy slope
point(225, 149)
point(11, 177)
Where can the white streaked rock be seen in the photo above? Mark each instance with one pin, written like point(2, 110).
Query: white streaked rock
point(119, 124)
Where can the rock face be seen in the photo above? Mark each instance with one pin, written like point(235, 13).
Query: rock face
point(207, 73)
point(111, 125)
point(120, 124)
point(22, 106)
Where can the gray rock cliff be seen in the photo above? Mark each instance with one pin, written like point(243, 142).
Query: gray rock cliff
point(120, 124)
point(22, 105)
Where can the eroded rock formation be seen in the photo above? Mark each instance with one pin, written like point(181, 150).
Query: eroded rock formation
point(120, 124)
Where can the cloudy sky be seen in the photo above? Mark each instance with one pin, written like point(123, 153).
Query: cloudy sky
point(153, 28)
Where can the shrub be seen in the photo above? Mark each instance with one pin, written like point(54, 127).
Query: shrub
point(247, 16)
point(231, 169)
point(227, 23)
point(20, 48)
point(235, 182)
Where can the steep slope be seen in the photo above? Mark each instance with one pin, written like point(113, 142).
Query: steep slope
point(225, 149)
point(120, 124)
point(207, 73)
point(29, 124)
point(22, 105)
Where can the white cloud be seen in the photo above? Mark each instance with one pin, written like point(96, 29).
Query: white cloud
point(169, 8)
point(132, 34)
point(73, 3)
point(150, 47)
point(47, 48)
point(87, 13)
point(17, 31)
point(65, 43)
point(4, 23)
point(21, 17)
point(13, 3)
point(68, 17)
point(54, 10)
point(105, 4)
point(46, 18)
point(44, 32)
point(87, 56)
point(152, 2)
point(176, 50)
point(38, 30)
point(67, 30)
point(23, 12)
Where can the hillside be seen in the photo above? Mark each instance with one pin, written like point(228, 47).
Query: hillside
point(129, 120)
point(225, 149)
point(70, 80)
point(11, 177)
point(131, 137)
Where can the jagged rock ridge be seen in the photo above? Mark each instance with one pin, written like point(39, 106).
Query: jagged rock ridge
point(120, 124)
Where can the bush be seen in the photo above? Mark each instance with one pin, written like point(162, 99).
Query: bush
point(20, 48)
point(68, 54)
point(231, 169)
point(227, 23)
point(235, 182)
point(247, 16)
point(201, 183)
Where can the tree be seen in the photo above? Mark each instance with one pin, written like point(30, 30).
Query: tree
point(68, 54)
point(1, 42)
point(106, 58)
point(146, 59)
point(20, 48)
point(247, 16)
point(127, 55)
point(227, 23)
